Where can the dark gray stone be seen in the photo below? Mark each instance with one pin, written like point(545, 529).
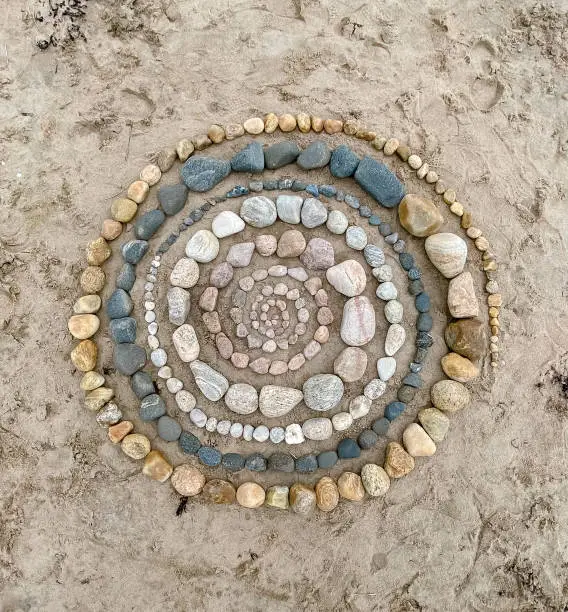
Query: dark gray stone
point(306, 464)
point(327, 459)
point(152, 407)
point(148, 224)
point(142, 384)
point(134, 250)
point(168, 429)
point(256, 463)
point(172, 198)
point(119, 304)
point(123, 330)
point(126, 277)
point(249, 159)
point(281, 462)
point(343, 162)
point(316, 155)
point(233, 462)
point(280, 154)
point(379, 182)
point(367, 439)
point(129, 358)
point(189, 443)
point(203, 173)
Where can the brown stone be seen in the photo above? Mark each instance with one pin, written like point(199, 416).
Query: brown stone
point(327, 494)
point(188, 480)
point(333, 126)
point(459, 368)
point(234, 130)
point(291, 244)
point(467, 338)
point(138, 191)
point(184, 149)
point(419, 216)
point(398, 462)
point(84, 355)
point(157, 467)
point(270, 123)
point(350, 486)
point(462, 302)
point(123, 210)
point(117, 432)
point(287, 122)
point(166, 159)
point(219, 492)
point(216, 133)
point(208, 299)
point(92, 279)
point(317, 123)
point(304, 122)
point(111, 229)
point(250, 495)
point(302, 498)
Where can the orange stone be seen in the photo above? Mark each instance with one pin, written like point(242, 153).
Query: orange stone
point(117, 432)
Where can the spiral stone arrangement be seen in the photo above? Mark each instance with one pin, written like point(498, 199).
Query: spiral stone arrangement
point(275, 317)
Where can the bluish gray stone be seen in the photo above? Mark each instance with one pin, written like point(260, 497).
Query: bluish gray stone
point(316, 155)
point(367, 439)
point(255, 463)
point(424, 322)
point(168, 429)
point(126, 277)
point(343, 162)
point(379, 182)
point(148, 224)
point(152, 407)
point(406, 260)
point(422, 302)
point(123, 330)
point(327, 459)
point(381, 426)
point(234, 462)
point(119, 304)
point(172, 198)
point(281, 462)
point(129, 358)
point(413, 380)
point(415, 287)
point(393, 410)
point(189, 443)
point(209, 456)
point(203, 173)
point(348, 449)
point(134, 250)
point(374, 255)
point(280, 154)
point(142, 384)
point(405, 394)
point(249, 159)
point(306, 464)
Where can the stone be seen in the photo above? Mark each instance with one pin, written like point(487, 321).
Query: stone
point(374, 256)
point(356, 238)
point(219, 492)
point(281, 154)
point(321, 334)
point(332, 126)
point(398, 462)
point(221, 275)
point(342, 421)
point(350, 364)
point(347, 277)
point(258, 211)
point(249, 159)
point(211, 383)
point(185, 273)
point(343, 162)
point(185, 341)
point(123, 330)
point(168, 429)
point(142, 384)
point(327, 494)
point(137, 191)
point(327, 459)
point(234, 462)
point(148, 224)
point(256, 462)
point(203, 173)
point(337, 222)
point(386, 368)
point(316, 155)
point(394, 409)
point(323, 392)
point(166, 158)
point(92, 279)
point(459, 368)
point(281, 462)
point(435, 423)
point(189, 443)
point(172, 198)
point(203, 246)
point(212, 321)
point(260, 365)
point(419, 216)
point(136, 446)
point(250, 495)
point(83, 326)
point(276, 401)
point(449, 396)
point(98, 251)
point(91, 380)
point(291, 244)
point(313, 213)
point(350, 486)
point(126, 277)
point(306, 464)
point(118, 431)
point(277, 497)
point(367, 439)
point(318, 255)
point(417, 442)
point(254, 125)
point(289, 208)
point(383, 273)
point(96, 399)
point(240, 255)
point(462, 302)
point(375, 480)
point(287, 122)
point(209, 456)
point(467, 338)
point(358, 322)
point(240, 360)
point(394, 311)
point(119, 304)
point(317, 429)
point(374, 389)
point(208, 299)
point(174, 385)
point(123, 210)
point(396, 335)
point(302, 498)
point(227, 223)
point(188, 480)
point(359, 406)
point(278, 368)
point(128, 358)
point(379, 182)
point(447, 252)
point(324, 316)
point(178, 305)
point(134, 250)
point(87, 304)
point(184, 149)
point(185, 400)
point(109, 415)
point(152, 407)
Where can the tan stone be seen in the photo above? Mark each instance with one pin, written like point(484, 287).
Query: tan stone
point(270, 123)
point(184, 149)
point(398, 462)
point(123, 210)
point(391, 145)
point(98, 251)
point(287, 122)
point(302, 498)
point(136, 446)
point(462, 302)
point(157, 467)
point(250, 495)
point(350, 127)
point(291, 244)
point(333, 126)
point(219, 492)
point(351, 487)
point(277, 497)
point(234, 130)
point(97, 398)
point(111, 229)
point(459, 368)
point(166, 159)
point(435, 423)
point(403, 151)
point(84, 355)
point(317, 123)
point(327, 494)
point(495, 300)
point(467, 338)
point(304, 122)
point(87, 304)
point(419, 216)
point(83, 326)
point(201, 141)
point(449, 396)
point(216, 133)
point(91, 380)
point(417, 442)
point(151, 174)
point(117, 432)
point(254, 125)
point(138, 191)
point(92, 279)
point(188, 480)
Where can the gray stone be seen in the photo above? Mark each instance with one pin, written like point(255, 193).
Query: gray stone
point(379, 182)
point(241, 398)
point(203, 173)
point(172, 198)
point(211, 383)
point(134, 250)
point(347, 277)
point(323, 392)
point(337, 222)
point(356, 238)
point(258, 211)
point(178, 305)
point(186, 343)
point(152, 407)
point(203, 246)
point(142, 384)
point(185, 273)
point(240, 254)
point(289, 207)
point(129, 358)
point(221, 275)
point(276, 401)
point(119, 304)
point(281, 154)
point(168, 429)
point(374, 255)
point(249, 159)
point(316, 155)
point(343, 162)
point(148, 224)
point(314, 213)
point(358, 323)
point(317, 429)
point(123, 330)
point(227, 223)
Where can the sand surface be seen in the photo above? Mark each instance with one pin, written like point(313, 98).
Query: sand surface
point(478, 89)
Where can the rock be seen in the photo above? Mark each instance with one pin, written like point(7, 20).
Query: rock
point(250, 495)
point(98, 251)
point(91, 380)
point(289, 207)
point(294, 434)
point(327, 494)
point(136, 446)
point(254, 125)
point(337, 222)
point(375, 480)
point(189, 443)
point(359, 406)
point(185, 400)
point(187, 480)
point(240, 360)
point(374, 256)
point(447, 252)
point(152, 407)
point(126, 277)
point(350, 486)
point(168, 429)
point(172, 198)
point(123, 210)
point(396, 335)
point(118, 431)
point(142, 384)
point(367, 439)
point(209, 456)
point(417, 442)
point(449, 396)
point(419, 216)
point(256, 462)
point(186, 343)
point(275, 401)
point(356, 238)
point(398, 462)
point(219, 492)
point(343, 162)
point(258, 211)
point(123, 330)
point(374, 389)
point(96, 399)
point(358, 323)
point(260, 365)
point(148, 224)
point(467, 338)
point(281, 154)
point(350, 364)
point(240, 254)
point(221, 275)
point(316, 155)
point(266, 244)
point(212, 322)
point(435, 423)
point(233, 461)
point(323, 392)
point(203, 173)
point(119, 304)
point(227, 223)
point(383, 273)
point(394, 311)
point(321, 334)
point(211, 383)
point(208, 299)
point(128, 358)
point(386, 368)
point(302, 498)
point(280, 462)
point(92, 279)
point(137, 191)
point(178, 305)
point(287, 122)
point(109, 415)
point(313, 213)
point(134, 250)
point(249, 159)
point(318, 255)
point(87, 304)
point(291, 244)
point(462, 302)
point(459, 368)
point(185, 273)
point(317, 429)
point(83, 326)
point(277, 497)
point(379, 182)
point(203, 246)
point(348, 278)
point(327, 459)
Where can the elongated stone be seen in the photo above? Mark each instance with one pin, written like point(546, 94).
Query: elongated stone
point(186, 343)
point(211, 383)
point(379, 182)
point(358, 323)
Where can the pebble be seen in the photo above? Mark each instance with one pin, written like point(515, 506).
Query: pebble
point(343, 162)
point(417, 442)
point(317, 429)
point(142, 385)
point(258, 211)
point(198, 417)
point(304, 122)
point(233, 462)
point(92, 279)
point(358, 323)
point(359, 407)
point(332, 126)
point(168, 429)
point(240, 254)
point(123, 330)
point(249, 159)
point(348, 277)
point(419, 216)
point(296, 362)
point(137, 191)
point(306, 464)
point(119, 304)
point(128, 358)
point(379, 182)
point(396, 335)
point(312, 349)
point(398, 462)
point(148, 224)
point(318, 255)
point(435, 423)
point(322, 334)
point(337, 222)
point(118, 431)
point(287, 122)
point(221, 275)
point(374, 256)
point(348, 449)
point(227, 223)
point(323, 392)
point(276, 401)
point(386, 368)
point(212, 384)
point(172, 198)
point(316, 155)
point(260, 365)
point(203, 173)
point(185, 341)
point(250, 495)
point(459, 368)
point(254, 125)
point(111, 229)
point(462, 302)
point(422, 302)
point(281, 154)
point(91, 380)
point(367, 439)
point(203, 246)
point(98, 252)
point(291, 244)
point(134, 250)
point(313, 213)
point(387, 291)
point(136, 446)
point(394, 312)
point(356, 238)
point(447, 252)
point(152, 407)
point(240, 360)
point(123, 210)
point(178, 305)
point(187, 480)
point(383, 273)
point(219, 492)
point(302, 498)
point(277, 497)
point(209, 456)
point(374, 389)
point(394, 410)
point(375, 480)
point(449, 396)
point(184, 149)
point(289, 208)
point(467, 338)
point(350, 364)
point(208, 299)
point(350, 486)
point(83, 326)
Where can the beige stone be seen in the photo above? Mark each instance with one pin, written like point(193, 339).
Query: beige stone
point(435, 423)
point(92, 279)
point(304, 122)
point(327, 494)
point(417, 442)
point(111, 229)
point(234, 130)
point(123, 210)
point(166, 159)
point(188, 480)
point(317, 123)
point(419, 216)
point(375, 480)
point(333, 126)
point(84, 355)
point(201, 141)
point(156, 466)
point(136, 446)
point(254, 125)
point(118, 431)
point(97, 398)
point(462, 302)
point(287, 122)
point(459, 368)
point(151, 174)
point(83, 326)
point(270, 123)
point(277, 497)
point(216, 133)
point(449, 396)
point(87, 304)
point(302, 498)
point(98, 251)
point(398, 462)
point(184, 149)
point(350, 486)
point(91, 380)
point(250, 495)
point(219, 492)
point(138, 191)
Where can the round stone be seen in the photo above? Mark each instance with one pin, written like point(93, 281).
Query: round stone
point(327, 494)
point(419, 216)
point(350, 486)
point(323, 392)
point(314, 213)
point(291, 244)
point(187, 480)
point(221, 275)
point(87, 304)
point(374, 256)
point(136, 446)
point(168, 429)
point(459, 368)
point(350, 364)
point(294, 434)
point(241, 398)
point(316, 155)
point(219, 492)
point(317, 429)
point(302, 498)
point(254, 125)
point(123, 210)
point(398, 462)
point(266, 245)
point(383, 273)
point(356, 238)
point(92, 279)
point(250, 495)
point(91, 380)
point(358, 323)
point(83, 326)
point(467, 338)
point(185, 400)
point(185, 273)
point(348, 277)
point(203, 246)
point(128, 358)
point(258, 211)
point(261, 433)
point(367, 439)
point(386, 367)
point(447, 252)
point(289, 207)
point(342, 421)
point(375, 480)
point(417, 442)
point(343, 162)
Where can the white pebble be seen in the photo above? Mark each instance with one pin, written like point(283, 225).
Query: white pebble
point(342, 421)
point(211, 424)
point(261, 433)
point(198, 417)
point(224, 427)
point(159, 357)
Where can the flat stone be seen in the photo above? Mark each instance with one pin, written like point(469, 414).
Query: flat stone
point(185, 341)
point(387, 291)
point(316, 155)
point(298, 274)
point(350, 364)
point(91, 380)
point(386, 368)
point(396, 335)
point(172, 198)
point(203, 246)
point(374, 256)
point(276, 401)
point(348, 449)
point(314, 213)
point(398, 462)
point(260, 365)
point(459, 368)
point(337, 222)
point(417, 442)
point(348, 278)
point(281, 154)
point(148, 224)
point(318, 255)
point(323, 392)
point(356, 238)
point(467, 338)
point(306, 464)
point(447, 252)
point(185, 273)
point(291, 244)
point(317, 429)
point(383, 273)
point(203, 173)
point(188, 480)
point(358, 323)
point(258, 211)
point(379, 182)
point(419, 216)
point(208, 299)
point(178, 305)
point(289, 207)
point(128, 358)
point(240, 255)
point(221, 275)
point(449, 396)
point(249, 159)
point(281, 462)
point(462, 302)
point(435, 423)
point(211, 383)
point(250, 495)
point(212, 322)
point(227, 223)
point(343, 162)
point(152, 407)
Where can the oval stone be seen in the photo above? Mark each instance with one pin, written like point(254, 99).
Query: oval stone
point(241, 398)
point(323, 392)
point(449, 396)
point(419, 216)
point(358, 323)
point(317, 429)
point(348, 277)
point(203, 246)
point(275, 401)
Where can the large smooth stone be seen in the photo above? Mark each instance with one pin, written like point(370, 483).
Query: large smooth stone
point(316, 155)
point(239, 255)
point(203, 173)
point(314, 213)
point(186, 343)
point(343, 162)
point(203, 246)
point(258, 211)
point(323, 392)
point(459, 368)
point(123, 330)
point(379, 182)
point(462, 302)
point(84, 326)
point(291, 244)
point(227, 223)
point(396, 335)
point(435, 423)
point(358, 323)
point(241, 398)
point(179, 305)
point(211, 383)
point(249, 159)
point(417, 442)
point(350, 364)
point(289, 208)
point(449, 396)
point(398, 462)
point(172, 198)
point(319, 255)
point(447, 252)
point(419, 216)
point(185, 273)
point(348, 278)
point(275, 401)
point(129, 358)
point(281, 154)
point(319, 428)
point(467, 338)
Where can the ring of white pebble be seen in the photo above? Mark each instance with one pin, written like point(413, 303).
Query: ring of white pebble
point(189, 480)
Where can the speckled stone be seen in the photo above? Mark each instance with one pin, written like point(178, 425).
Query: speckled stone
point(302, 498)
point(379, 182)
point(119, 304)
point(134, 250)
point(209, 456)
point(281, 154)
point(203, 173)
point(313, 213)
point(219, 492)
point(148, 224)
point(367, 439)
point(281, 462)
point(449, 396)
point(318, 255)
point(249, 159)
point(306, 464)
point(128, 358)
point(316, 155)
point(375, 480)
point(189, 443)
point(187, 480)
point(343, 162)
point(467, 338)
point(233, 462)
point(123, 330)
point(136, 446)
